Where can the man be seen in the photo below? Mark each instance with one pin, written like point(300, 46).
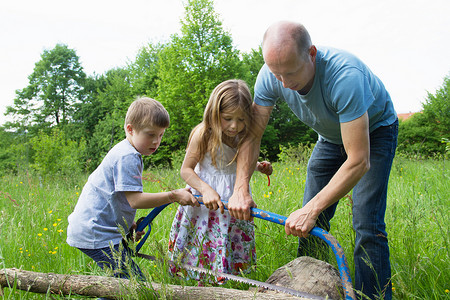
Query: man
point(334, 93)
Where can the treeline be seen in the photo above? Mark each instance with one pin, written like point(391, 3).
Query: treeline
point(65, 121)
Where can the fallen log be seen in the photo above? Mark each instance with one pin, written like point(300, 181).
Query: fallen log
point(116, 288)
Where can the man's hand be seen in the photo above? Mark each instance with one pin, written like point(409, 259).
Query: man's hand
point(300, 222)
point(239, 205)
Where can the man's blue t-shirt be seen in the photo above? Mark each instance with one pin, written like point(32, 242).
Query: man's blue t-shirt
point(344, 89)
point(102, 207)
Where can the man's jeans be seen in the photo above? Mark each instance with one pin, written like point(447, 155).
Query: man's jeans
point(372, 265)
point(119, 260)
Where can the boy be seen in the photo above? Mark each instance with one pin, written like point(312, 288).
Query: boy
point(114, 191)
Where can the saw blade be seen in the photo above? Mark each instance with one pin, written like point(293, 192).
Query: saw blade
point(261, 284)
point(252, 282)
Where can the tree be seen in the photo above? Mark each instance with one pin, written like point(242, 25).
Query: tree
point(424, 132)
point(190, 66)
point(436, 109)
point(55, 85)
point(8, 157)
point(143, 71)
point(106, 114)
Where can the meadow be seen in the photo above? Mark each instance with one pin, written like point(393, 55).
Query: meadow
point(34, 211)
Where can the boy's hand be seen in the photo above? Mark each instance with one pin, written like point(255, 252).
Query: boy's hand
point(212, 201)
point(137, 235)
point(184, 197)
point(264, 167)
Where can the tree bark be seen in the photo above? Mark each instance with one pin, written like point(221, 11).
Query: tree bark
point(116, 288)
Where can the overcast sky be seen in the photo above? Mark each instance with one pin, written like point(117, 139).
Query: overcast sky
point(405, 42)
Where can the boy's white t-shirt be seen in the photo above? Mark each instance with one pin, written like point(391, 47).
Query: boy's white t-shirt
point(102, 206)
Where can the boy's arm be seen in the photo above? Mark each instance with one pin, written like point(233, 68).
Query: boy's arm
point(139, 200)
point(211, 198)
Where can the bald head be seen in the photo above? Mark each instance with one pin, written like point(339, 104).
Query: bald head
point(287, 34)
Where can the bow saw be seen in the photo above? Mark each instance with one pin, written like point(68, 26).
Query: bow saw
point(268, 216)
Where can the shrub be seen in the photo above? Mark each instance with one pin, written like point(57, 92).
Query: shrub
point(55, 154)
point(299, 154)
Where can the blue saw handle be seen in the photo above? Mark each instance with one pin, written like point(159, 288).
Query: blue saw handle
point(147, 221)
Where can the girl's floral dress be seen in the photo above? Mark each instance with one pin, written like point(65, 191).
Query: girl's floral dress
point(209, 239)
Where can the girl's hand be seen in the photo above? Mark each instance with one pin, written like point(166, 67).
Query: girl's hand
point(264, 167)
point(211, 199)
point(183, 197)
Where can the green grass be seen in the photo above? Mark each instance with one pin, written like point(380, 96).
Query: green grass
point(34, 211)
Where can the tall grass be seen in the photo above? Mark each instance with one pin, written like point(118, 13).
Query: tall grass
point(34, 211)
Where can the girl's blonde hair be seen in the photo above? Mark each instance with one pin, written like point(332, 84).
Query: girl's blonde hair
point(228, 96)
point(146, 112)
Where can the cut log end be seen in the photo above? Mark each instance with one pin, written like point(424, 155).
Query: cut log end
point(311, 276)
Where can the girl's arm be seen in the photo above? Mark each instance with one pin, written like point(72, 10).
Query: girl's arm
point(211, 198)
point(139, 200)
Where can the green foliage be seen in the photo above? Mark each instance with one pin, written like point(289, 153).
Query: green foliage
point(299, 154)
point(252, 62)
point(447, 145)
point(422, 134)
point(143, 72)
point(55, 154)
point(7, 153)
point(283, 129)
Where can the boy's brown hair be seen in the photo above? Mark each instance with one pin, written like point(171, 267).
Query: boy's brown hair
point(145, 112)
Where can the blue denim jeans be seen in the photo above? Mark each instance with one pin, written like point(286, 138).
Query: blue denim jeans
point(118, 259)
point(371, 254)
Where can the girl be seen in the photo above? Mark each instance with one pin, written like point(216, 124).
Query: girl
point(204, 236)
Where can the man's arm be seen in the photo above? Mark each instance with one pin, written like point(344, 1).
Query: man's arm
point(355, 137)
point(241, 201)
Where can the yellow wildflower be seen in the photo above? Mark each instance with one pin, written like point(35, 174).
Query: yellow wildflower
point(45, 229)
point(50, 211)
point(39, 234)
point(55, 224)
